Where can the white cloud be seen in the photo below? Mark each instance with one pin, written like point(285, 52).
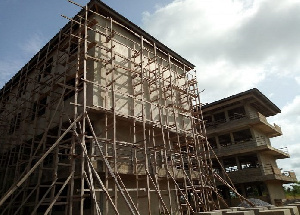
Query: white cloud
point(7, 69)
point(26, 50)
point(227, 76)
point(297, 79)
point(234, 44)
point(289, 120)
point(237, 45)
point(33, 44)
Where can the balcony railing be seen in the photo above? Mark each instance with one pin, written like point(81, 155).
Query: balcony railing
point(265, 172)
point(264, 120)
point(258, 143)
point(254, 118)
point(243, 175)
point(222, 121)
point(255, 115)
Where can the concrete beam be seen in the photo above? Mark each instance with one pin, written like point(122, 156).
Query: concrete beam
point(293, 209)
point(237, 208)
point(223, 211)
point(295, 204)
point(255, 210)
point(209, 213)
point(275, 212)
point(240, 213)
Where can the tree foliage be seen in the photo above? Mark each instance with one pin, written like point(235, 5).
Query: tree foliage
point(293, 189)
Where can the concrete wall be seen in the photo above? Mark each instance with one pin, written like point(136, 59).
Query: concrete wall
point(140, 197)
point(127, 74)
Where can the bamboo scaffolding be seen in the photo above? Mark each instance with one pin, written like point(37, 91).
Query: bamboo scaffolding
point(104, 119)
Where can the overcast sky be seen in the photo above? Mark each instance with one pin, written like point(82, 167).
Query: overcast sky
point(235, 44)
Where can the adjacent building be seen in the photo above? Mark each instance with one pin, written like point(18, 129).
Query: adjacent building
point(239, 133)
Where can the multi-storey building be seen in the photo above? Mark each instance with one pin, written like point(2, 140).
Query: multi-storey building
point(239, 134)
point(101, 121)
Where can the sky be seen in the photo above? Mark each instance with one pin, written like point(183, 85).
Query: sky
point(236, 45)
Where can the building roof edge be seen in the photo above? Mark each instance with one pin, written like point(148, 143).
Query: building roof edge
point(253, 91)
point(114, 14)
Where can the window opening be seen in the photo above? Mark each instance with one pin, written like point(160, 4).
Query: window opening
point(236, 113)
point(242, 136)
point(220, 117)
point(224, 140)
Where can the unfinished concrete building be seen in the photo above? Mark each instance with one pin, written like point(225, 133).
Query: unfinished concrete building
point(102, 120)
point(239, 134)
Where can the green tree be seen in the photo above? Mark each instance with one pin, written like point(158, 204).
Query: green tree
point(296, 189)
point(293, 189)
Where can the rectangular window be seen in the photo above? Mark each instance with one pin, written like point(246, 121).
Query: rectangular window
point(220, 117)
point(15, 123)
point(42, 106)
point(249, 162)
point(242, 136)
point(70, 92)
point(18, 121)
point(48, 66)
point(39, 107)
point(212, 142)
point(73, 48)
point(225, 140)
point(236, 113)
point(21, 88)
point(12, 125)
point(208, 121)
point(230, 164)
point(34, 107)
point(3, 103)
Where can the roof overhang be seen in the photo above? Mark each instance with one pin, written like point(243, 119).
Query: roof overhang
point(253, 96)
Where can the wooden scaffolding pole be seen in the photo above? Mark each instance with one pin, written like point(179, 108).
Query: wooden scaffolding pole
point(104, 117)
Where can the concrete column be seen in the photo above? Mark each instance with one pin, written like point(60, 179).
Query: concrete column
point(226, 116)
point(218, 143)
point(212, 118)
point(246, 107)
point(243, 190)
point(260, 163)
point(231, 138)
point(275, 191)
point(252, 134)
point(238, 163)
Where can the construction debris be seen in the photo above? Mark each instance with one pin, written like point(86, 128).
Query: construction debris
point(256, 202)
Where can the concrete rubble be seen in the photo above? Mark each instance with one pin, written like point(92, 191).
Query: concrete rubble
point(256, 202)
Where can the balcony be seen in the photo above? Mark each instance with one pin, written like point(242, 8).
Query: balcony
point(259, 173)
point(257, 120)
point(244, 175)
point(258, 144)
point(271, 130)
